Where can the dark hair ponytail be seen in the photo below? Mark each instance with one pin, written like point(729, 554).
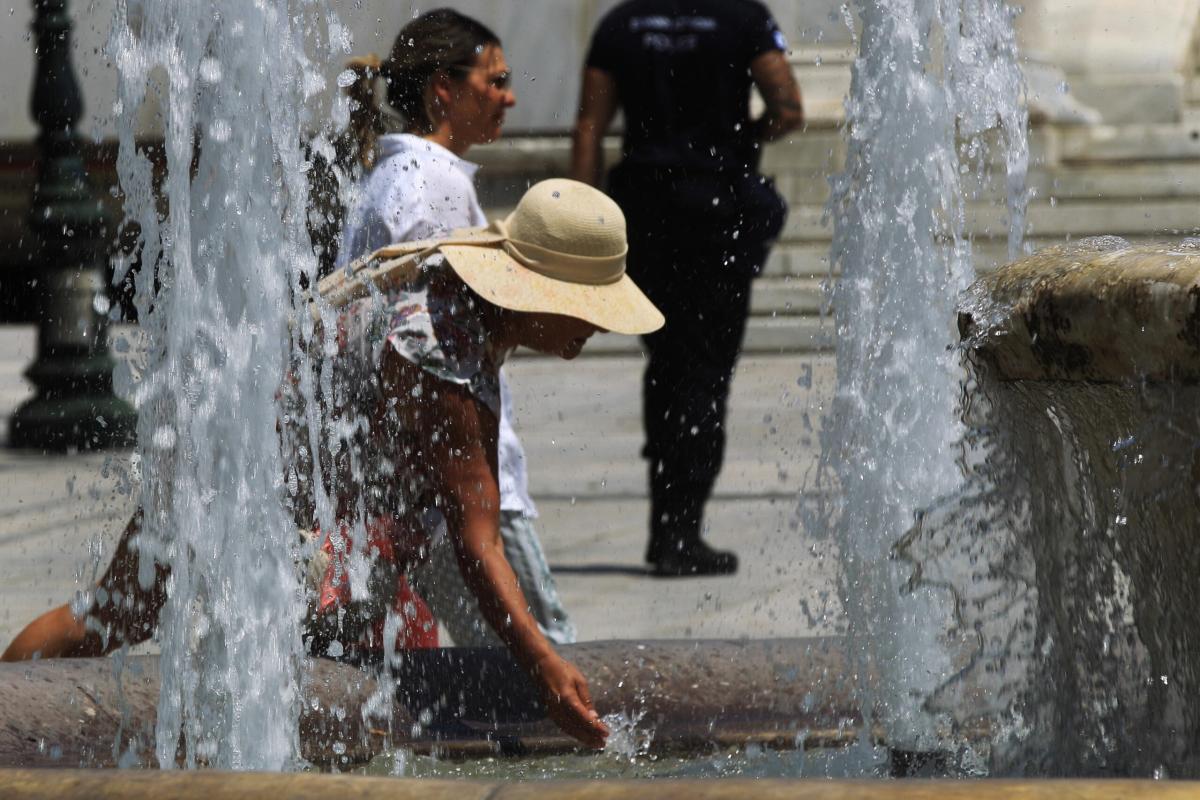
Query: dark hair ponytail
point(433, 42)
point(366, 117)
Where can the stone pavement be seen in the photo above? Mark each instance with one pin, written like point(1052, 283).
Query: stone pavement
point(59, 515)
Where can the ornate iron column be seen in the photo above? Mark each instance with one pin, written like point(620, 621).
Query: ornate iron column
point(75, 406)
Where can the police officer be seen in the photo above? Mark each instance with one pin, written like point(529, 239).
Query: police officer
point(701, 220)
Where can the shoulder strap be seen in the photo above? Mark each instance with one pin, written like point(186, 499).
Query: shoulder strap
point(392, 266)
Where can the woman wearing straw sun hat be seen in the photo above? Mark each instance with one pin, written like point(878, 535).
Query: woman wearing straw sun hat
point(421, 331)
point(445, 314)
point(561, 252)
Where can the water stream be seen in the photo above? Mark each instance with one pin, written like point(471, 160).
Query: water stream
point(223, 257)
point(935, 86)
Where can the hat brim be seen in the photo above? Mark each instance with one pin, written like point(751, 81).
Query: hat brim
point(500, 279)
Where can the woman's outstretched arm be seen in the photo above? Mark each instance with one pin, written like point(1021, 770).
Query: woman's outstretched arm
point(122, 612)
point(461, 447)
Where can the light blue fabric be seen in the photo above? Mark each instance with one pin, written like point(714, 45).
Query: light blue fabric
point(439, 581)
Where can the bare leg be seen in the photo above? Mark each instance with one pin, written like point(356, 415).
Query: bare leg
point(55, 634)
point(122, 612)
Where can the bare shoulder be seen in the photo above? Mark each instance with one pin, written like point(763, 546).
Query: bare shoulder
point(443, 414)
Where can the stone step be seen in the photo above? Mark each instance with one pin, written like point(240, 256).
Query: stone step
point(810, 260)
point(765, 335)
point(826, 149)
point(831, 56)
point(1087, 180)
point(787, 296)
point(798, 260)
point(1122, 217)
point(1130, 143)
point(1079, 218)
point(1119, 181)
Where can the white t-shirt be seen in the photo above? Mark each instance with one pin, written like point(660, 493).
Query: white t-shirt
point(420, 190)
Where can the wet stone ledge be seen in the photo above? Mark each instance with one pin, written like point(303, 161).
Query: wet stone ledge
point(459, 703)
point(1098, 310)
point(1084, 365)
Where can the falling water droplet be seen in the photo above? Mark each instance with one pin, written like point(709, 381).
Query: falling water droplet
point(220, 130)
point(210, 70)
point(101, 303)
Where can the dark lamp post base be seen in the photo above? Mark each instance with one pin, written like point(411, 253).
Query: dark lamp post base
point(74, 408)
point(73, 423)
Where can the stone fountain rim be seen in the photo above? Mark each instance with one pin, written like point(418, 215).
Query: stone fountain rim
point(1097, 311)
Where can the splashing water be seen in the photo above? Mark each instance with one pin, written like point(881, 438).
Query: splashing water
point(1070, 553)
point(221, 272)
point(629, 739)
point(930, 83)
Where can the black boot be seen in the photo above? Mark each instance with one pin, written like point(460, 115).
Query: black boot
point(691, 557)
point(676, 513)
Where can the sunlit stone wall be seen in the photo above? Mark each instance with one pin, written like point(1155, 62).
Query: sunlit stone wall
point(1132, 61)
point(545, 41)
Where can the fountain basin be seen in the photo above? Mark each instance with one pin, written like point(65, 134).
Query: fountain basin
point(1072, 553)
point(1097, 311)
point(693, 695)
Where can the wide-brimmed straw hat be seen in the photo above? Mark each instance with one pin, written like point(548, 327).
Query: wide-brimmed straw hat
point(561, 251)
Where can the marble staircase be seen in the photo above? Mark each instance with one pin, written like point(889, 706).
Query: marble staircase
point(1138, 181)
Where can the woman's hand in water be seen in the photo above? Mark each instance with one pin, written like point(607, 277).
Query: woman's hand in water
point(565, 693)
point(462, 459)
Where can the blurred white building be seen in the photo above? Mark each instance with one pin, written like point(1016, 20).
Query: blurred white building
point(1130, 60)
point(1113, 89)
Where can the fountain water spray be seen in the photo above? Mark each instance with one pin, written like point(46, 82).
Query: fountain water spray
point(932, 79)
point(1070, 551)
point(222, 270)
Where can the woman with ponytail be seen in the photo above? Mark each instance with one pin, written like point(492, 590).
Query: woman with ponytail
point(447, 81)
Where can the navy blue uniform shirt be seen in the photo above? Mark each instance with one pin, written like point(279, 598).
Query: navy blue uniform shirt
point(682, 71)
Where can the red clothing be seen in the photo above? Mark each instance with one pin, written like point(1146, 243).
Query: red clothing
point(388, 545)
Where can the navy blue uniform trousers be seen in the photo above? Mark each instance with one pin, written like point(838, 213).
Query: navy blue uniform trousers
point(697, 239)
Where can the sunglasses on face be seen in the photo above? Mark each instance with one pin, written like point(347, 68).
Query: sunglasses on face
point(501, 81)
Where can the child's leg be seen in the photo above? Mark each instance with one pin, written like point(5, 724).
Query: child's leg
point(122, 612)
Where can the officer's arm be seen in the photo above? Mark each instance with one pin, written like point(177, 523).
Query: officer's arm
point(597, 107)
point(773, 77)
